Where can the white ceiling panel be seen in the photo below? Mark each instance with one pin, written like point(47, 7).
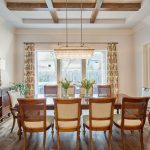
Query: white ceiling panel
point(27, 1)
point(33, 14)
point(74, 14)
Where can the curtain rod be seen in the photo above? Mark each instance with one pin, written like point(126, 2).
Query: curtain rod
point(59, 43)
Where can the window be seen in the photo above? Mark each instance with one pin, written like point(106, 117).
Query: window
point(71, 69)
point(96, 68)
point(46, 69)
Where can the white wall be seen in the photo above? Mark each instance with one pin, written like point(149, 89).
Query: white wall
point(7, 52)
point(141, 37)
point(123, 37)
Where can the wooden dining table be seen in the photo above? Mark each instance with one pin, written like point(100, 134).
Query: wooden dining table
point(84, 104)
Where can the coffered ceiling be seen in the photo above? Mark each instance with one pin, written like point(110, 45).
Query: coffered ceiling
point(52, 13)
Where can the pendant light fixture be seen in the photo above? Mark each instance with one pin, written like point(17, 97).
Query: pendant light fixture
point(73, 52)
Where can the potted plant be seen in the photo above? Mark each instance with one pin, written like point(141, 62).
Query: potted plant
point(87, 84)
point(65, 85)
point(21, 87)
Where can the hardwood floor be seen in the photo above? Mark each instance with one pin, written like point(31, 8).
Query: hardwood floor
point(9, 141)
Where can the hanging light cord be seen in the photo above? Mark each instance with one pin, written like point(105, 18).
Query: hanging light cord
point(66, 25)
point(81, 24)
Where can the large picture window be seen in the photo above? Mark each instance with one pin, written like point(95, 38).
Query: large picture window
point(46, 69)
point(96, 68)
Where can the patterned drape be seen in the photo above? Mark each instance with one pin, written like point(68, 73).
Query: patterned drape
point(112, 68)
point(29, 68)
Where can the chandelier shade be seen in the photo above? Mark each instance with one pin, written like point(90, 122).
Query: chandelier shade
point(73, 52)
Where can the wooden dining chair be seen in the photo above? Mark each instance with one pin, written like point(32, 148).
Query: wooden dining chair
point(104, 90)
point(13, 96)
point(133, 116)
point(67, 117)
point(100, 118)
point(51, 90)
point(33, 117)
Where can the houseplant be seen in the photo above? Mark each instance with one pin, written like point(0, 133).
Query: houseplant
point(87, 84)
point(21, 87)
point(65, 85)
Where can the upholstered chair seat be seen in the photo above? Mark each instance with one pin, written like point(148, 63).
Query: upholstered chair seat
point(96, 123)
point(127, 122)
point(39, 124)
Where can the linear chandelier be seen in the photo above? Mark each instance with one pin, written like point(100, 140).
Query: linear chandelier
point(73, 52)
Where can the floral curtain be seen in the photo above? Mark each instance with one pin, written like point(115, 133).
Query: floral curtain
point(29, 68)
point(112, 68)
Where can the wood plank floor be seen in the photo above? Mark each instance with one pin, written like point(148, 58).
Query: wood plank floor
point(9, 141)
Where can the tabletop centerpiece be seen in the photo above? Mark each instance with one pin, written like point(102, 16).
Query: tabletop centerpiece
point(87, 84)
point(65, 85)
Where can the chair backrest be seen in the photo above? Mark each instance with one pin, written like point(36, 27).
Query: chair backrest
point(134, 108)
point(67, 110)
point(101, 109)
point(50, 90)
point(104, 90)
point(82, 92)
point(13, 95)
point(32, 110)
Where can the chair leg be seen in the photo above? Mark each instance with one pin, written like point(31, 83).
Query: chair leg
point(83, 130)
point(44, 140)
point(24, 145)
point(91, 143)
point(14, 121)
point(141, 139)
point(110, 140)
point(58, 141)
point(53, 131)
point(78, 140)
point(122, 136)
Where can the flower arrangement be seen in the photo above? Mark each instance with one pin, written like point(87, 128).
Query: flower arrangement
point(65, 85)
point(87, 84)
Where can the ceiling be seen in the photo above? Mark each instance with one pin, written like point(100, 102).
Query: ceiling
point(95, 13)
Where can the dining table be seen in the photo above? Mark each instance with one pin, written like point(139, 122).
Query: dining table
point(84, 104)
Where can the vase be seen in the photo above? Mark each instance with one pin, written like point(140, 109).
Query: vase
point(65, 93)
point(87, 93)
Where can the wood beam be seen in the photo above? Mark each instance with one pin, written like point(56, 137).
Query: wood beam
point(120, 6)
point(43, 6)
point(52, 11)
point(73, 5)
point(96, 11)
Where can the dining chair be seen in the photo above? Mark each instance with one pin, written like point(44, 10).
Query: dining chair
point(33, 117)
point(51, 90)
point(67, 117)
point(133, 116)
point(13, 96)
point(104, 90)
point(82, 92)
point(100, 117)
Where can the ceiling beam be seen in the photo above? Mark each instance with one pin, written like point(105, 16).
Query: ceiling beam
point(52, 11)
point(120, 6)
point(96, 11)
point(43, 6)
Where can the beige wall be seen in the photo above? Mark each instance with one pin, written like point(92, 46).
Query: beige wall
point(141, 38)
point(7, 52)
point(123, 37)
